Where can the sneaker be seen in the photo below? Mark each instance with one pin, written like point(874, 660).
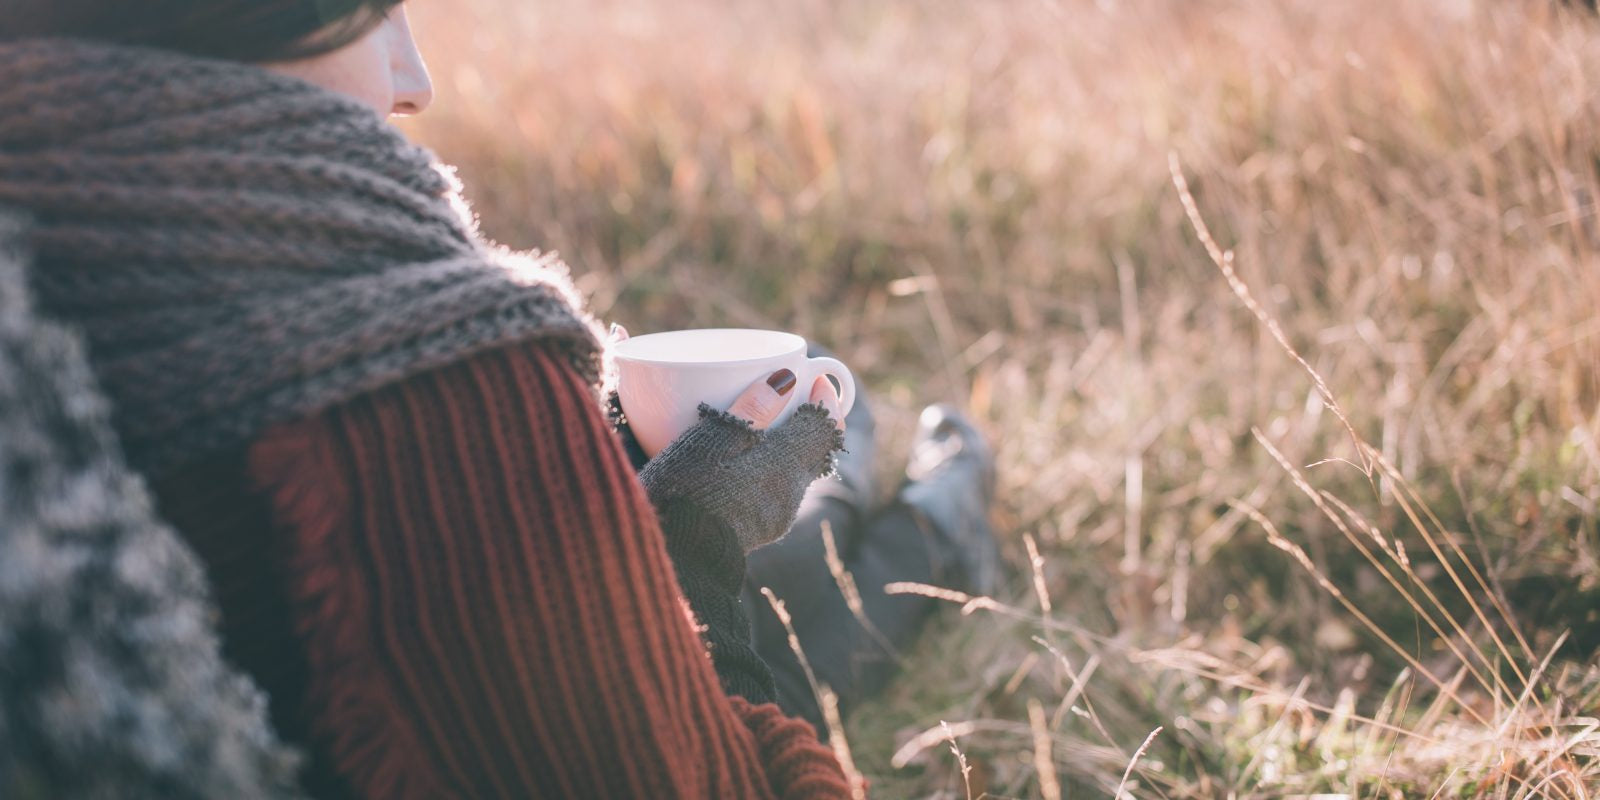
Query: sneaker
point(950, 480)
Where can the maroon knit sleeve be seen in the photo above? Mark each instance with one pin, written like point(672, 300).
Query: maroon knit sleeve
point(488, 608)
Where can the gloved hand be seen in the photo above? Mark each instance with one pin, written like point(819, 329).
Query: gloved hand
point(750, 480)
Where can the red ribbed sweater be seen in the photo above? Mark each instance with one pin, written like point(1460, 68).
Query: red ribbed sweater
point(456, 587)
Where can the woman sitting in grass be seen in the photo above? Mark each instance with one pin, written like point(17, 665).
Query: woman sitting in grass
point(383, 434)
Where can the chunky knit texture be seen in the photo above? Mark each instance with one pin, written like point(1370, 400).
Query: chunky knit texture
point(242, 249)
point(710, 565)
point(750, 480)
point(455, 587)
point(110, 681)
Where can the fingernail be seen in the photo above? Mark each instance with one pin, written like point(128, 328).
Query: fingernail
point(616, 330)
point(782, 381)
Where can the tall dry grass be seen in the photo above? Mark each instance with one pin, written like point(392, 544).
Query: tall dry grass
point(974, 202)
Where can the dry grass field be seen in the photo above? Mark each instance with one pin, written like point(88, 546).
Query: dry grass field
point(1319, 504)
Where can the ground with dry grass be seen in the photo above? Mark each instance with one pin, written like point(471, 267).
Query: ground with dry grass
point(1319, 504)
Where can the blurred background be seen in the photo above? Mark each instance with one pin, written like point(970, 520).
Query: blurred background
point(1385, 586)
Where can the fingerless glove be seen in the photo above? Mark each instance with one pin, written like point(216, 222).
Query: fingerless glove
point(752, 481)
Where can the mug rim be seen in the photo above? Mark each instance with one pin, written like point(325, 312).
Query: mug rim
point(798, 342)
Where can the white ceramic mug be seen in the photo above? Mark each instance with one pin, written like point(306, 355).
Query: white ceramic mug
point(662, 378)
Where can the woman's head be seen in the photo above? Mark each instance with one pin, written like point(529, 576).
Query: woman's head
point(362, 48)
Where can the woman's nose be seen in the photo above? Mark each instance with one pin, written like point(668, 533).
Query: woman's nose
point(413, 87)
point(413, 93)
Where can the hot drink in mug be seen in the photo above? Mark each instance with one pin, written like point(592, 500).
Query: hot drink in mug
point(664, 377)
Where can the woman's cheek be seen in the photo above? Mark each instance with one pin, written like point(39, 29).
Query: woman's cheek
point(360, 70)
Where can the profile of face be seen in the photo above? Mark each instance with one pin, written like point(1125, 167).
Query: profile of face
point(383, 69)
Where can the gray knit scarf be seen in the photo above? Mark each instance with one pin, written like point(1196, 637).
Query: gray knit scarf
point(241, 249)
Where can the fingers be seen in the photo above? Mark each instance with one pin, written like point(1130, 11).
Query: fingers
point(765, 399)
point(618, 333)
point(822, 394)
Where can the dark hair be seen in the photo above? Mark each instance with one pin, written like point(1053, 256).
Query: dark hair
point(239, 30)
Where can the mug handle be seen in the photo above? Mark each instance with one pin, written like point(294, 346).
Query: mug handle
point(823, 365)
